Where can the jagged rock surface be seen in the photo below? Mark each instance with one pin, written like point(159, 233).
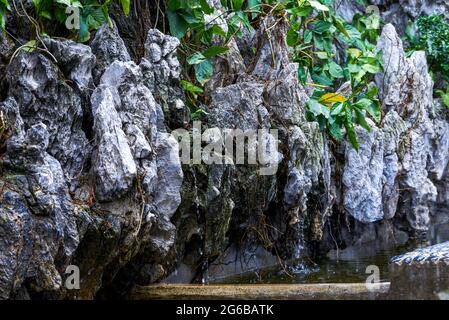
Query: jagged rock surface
point(122, 207)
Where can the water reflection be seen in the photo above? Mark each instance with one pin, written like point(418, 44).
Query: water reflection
point(343, 266)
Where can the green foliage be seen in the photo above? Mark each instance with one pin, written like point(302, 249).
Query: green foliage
point(334, 112)
point(93, 13)
point(4, 7)
point(199, 26)
point(444, 96)
point(431, 34)
point(314, 32)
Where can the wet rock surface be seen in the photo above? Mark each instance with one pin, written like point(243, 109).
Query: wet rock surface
point(92, 177)
point(421, 274)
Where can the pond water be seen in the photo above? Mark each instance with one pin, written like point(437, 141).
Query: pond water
point(346, 266)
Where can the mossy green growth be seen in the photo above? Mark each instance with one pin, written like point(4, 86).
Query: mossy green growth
point(431, 34)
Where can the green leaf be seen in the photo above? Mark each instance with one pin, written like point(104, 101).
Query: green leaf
point(322, 55)
point(374, 69)
point(237, 4)
point(204, 71)
point(360, 119)
point(308, 36)
point(317, 108)
point(196, 58)
point(335, 70)
point(190, 87)
point(302, 74)
point(30, 46)
point(292, 37)
point(372, 92)
point(84, 29)
point(321, 26)
point(67, 3)
point(215, 51)
point(354, 68)
point(322, 80)
point(206, 7)
point(352, 135)
point(178, 26)
point(340, 26)
point(337, 109)
point(45, 14)
point(444, 96)
point(374, 110)
point(335, 130)
point(173, 5)
point(254, 5)
point(302, 11)
point(354, 53)
point(371, 106)
point(317, 5)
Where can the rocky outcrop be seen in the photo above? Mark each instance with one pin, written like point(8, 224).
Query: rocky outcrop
point(398, 12)
point(36, 84)
point(39, 233)
point(55, 183)
point(407, 85)
point(107, 46)
point(91, 175)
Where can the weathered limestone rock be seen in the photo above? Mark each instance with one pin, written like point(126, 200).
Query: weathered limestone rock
point(107, 46)
point(286, 97)
point(131, 217)
point(306, 153)
point(136, 117)
point(424, 7)
point(272, 50)
point(114, 165)
point(169, 176)
point(362, 176)
point(161, 71)
point(228, 66)
point(238, 106)
point(407, 88)
point(6, 51)
point(75, 59)
point(39, 233)
point(397, 12)
point(35, 82)
point(393, 130)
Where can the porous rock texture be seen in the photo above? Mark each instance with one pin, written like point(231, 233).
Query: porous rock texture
point(92, 177)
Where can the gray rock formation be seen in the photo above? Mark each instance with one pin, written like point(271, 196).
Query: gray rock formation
point(363, 176)
point(39, 233)
point(107, 46)
point(121, 206)
point(161, 71)
point(75, 59)
point(407, 87)
point(42, 95)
